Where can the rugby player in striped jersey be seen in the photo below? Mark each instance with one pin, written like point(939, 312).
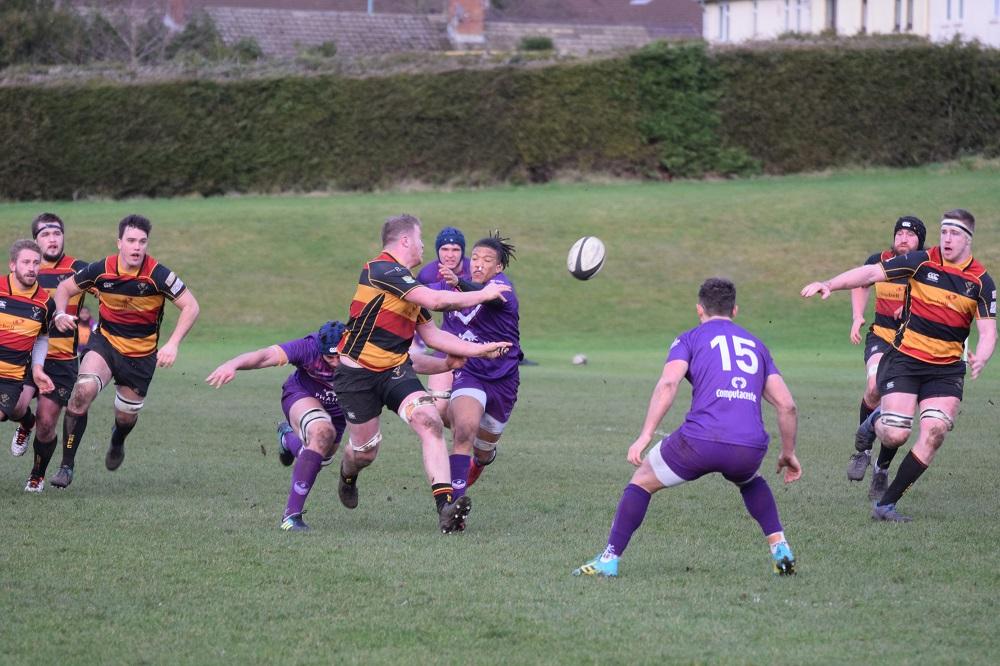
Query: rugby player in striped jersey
point(947, 290)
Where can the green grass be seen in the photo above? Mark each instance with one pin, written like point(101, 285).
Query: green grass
point(176, 557)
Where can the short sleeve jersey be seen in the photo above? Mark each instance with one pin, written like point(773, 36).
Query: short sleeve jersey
point(889, 298)
point(727, 368)
point(382, 323)
point(131, 302)
point(312, 372)
point(497, 321)
point(23, 317)
point(943, 299)
point(62, 346)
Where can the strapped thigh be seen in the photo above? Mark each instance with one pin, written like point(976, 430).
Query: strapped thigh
point(127, 405)
point(367, 446)
point(935, 413)
point(86, 377)
point(310, 416)
point(897, 420)
point(406, 411)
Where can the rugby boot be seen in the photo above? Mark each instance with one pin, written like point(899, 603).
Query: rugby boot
point(880, 483)
point(858, 465)
point(19, 442)
point(347, 490)
point(115, 456)
point(285, 456)
point(599, 566)
point(476, 468)
point(887, 513)
point(36, 484)
point(782, 560)
point(63, 477)
point(451, 517)
point(294, 523)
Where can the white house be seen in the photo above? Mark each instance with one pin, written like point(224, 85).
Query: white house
point(735, 21)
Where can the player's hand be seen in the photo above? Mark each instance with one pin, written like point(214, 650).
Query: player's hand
point(223, 374)
point(790, 464)
point(813, 288)
point(42, 380)
point(975, 364)
point(448, 276)
point(493, 291)
point(64, 322)
point(634, 455)
point(454, 362)
point(166, 355)
point(856, 330)
point(494, 349)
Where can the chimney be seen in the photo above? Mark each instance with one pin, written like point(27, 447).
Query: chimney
point(465, 23)
point(174, 18)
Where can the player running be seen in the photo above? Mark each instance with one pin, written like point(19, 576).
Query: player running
point(908, 235)
point(947, 289)
point(132, 288)
point(730, 371)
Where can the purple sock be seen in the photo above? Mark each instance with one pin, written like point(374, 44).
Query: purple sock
point(631, 512)
point(303, 476)
point(459, 472)
point(760, 504)
point(292, 443)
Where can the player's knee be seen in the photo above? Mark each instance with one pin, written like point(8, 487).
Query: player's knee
point(323, 438)
point(937, 423)
point(427, 420)
point(464, 433)
point(86, 388)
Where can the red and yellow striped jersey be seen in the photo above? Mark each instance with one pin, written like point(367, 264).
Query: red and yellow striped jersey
point(62, 346)
point(942, 300)
point(131, 302)
point(23, 317)
point(382, 324)
point(889, 298)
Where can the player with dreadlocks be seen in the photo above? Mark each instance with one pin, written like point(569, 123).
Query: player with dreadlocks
point(485, 390)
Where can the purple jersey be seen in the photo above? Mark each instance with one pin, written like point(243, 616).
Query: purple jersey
point(428, 275)
point(727, 368)
point(490, 322)
point(312, 373)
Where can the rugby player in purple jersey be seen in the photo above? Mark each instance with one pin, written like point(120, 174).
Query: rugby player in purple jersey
point(309, 404)
point(730, 370)
point(485, 390)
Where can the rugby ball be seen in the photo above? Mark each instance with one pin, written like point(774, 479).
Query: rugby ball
point(586, 258)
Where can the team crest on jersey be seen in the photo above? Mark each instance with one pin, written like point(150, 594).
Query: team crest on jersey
point(970, 288)
point(36, 312)
point(143, 288)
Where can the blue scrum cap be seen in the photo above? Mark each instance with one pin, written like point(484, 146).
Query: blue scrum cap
point(450, 236)
point(329, 337)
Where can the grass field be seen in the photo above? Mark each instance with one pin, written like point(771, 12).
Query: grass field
point(176, 557)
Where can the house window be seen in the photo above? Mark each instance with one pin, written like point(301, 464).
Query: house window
point(864, 16)
point(755, 17)
point(961, 9)
point(723, 21)
point(947, 10)
point(897, 17)
point(909, 15)
point(831, 15)
point(788, 16)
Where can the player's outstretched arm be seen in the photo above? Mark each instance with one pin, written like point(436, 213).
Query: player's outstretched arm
point(862, 276)
point(776, 392)
point(451, 344)
point(987, 329)
point(440, 301)
point(189, 308)
point(659, 404)
point(66, 290)
point(268, 357)
point(432, 365)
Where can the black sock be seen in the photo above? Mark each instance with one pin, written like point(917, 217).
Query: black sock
point(885, 456)
point(28, 420)
point(443, 493)
point(43, 454)
point(864, 412)
point(73, 427)
point(120, 432)
point(907, 474)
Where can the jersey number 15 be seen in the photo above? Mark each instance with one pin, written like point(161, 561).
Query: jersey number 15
point(746, 359)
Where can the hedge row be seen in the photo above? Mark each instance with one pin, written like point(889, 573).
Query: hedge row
point(673, 109)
